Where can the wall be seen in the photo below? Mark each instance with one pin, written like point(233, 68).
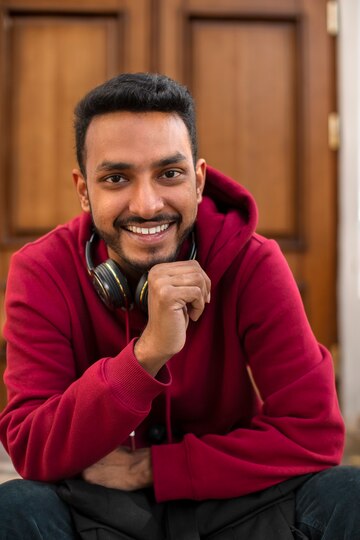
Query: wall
point(349, 209)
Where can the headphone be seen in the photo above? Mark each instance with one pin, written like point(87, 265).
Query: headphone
point(111, 284)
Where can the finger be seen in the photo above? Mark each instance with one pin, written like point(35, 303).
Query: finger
point(164, 286)
point(191, 280)
point(179, 268)
point(190, 298)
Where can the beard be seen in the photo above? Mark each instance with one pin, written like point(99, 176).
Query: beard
point(133, 266)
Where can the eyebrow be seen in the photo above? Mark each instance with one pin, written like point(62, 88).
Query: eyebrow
point(122, 165)
point(176, 158)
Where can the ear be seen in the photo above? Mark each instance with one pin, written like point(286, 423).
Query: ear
point(200, 172)
point(81, 189)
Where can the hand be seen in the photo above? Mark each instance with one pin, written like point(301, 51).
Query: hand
point(122, 469)
point(177, 292)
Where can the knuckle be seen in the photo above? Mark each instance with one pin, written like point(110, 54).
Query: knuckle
point(164, 293)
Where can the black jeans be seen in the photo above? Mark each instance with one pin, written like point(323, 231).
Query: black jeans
point(328, 505)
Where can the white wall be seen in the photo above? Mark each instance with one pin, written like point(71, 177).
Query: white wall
point(349, 208)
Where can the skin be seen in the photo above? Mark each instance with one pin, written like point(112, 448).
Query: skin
point(140, 176)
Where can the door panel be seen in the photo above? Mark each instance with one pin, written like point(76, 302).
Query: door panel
point(49, 72)
point(251, 132)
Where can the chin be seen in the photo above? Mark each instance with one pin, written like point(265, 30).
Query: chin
point(145, 266)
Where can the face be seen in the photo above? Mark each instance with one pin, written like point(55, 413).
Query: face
point(141, 186)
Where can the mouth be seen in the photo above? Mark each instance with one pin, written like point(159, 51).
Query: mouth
point(148, 230)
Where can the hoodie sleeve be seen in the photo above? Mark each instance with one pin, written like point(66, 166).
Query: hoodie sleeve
point(57, 423)
point(298, 429)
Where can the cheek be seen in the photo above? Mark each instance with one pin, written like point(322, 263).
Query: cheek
point(104, 209)
point(190, 206)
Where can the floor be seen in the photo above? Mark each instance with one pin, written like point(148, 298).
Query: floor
point(7, 471)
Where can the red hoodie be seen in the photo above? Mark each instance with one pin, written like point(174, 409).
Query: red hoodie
point(76, 390)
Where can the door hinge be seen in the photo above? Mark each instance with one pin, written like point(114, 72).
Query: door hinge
point(332, 17)
point(334, 131)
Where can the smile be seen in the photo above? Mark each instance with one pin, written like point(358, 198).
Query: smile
point(151, 230)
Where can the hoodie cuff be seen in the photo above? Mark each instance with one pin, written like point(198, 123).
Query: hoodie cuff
point(134, 386)
point(171, 472)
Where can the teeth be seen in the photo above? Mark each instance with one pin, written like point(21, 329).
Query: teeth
point(151, 230)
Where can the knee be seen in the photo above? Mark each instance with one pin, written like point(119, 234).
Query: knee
point(339, 484)
point(20, 496)
point(334, 489)
point(27, 508)
point(13, 494)
point(327, 505)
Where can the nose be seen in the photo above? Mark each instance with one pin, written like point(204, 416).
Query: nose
point(145, 200)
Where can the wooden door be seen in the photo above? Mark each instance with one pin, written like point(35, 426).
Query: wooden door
point(262, 73)
point(51, 53)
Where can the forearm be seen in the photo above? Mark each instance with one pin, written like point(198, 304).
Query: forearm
point(56, 434)
point(290, 437)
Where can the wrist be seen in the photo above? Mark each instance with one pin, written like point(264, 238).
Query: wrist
point(149, 360)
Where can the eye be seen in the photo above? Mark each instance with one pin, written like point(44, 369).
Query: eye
point(115, 179)
point(171, 173)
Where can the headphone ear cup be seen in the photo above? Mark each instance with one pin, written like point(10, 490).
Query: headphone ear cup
point(141, 293)
point(112, 285)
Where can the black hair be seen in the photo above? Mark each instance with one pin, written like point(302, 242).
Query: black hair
point(134, 92)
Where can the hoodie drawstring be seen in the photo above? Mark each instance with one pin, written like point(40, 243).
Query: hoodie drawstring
point(168, 415)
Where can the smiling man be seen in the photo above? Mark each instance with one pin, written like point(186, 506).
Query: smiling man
point(134, 334)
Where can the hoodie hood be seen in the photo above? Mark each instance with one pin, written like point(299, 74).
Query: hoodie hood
point(227, 218)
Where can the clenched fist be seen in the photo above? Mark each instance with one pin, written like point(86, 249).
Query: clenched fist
point(177, 292)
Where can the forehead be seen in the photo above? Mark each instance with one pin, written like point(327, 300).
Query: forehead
point(136, 134)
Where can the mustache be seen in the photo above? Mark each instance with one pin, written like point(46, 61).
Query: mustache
point(119, 223)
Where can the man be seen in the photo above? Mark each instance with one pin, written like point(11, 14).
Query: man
point(136, 377)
